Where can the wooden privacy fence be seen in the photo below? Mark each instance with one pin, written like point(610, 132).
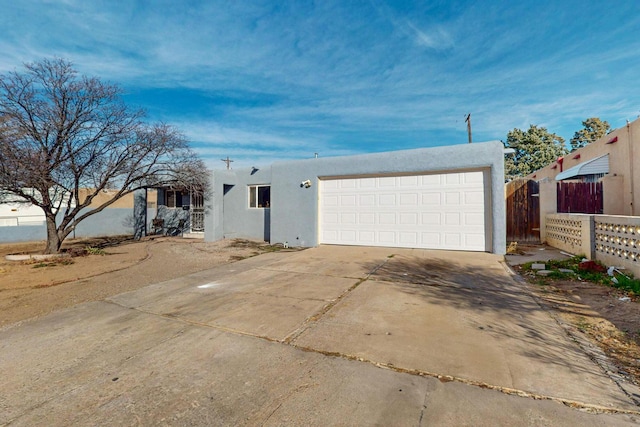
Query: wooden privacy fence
point(523, 211)
point(580, 197)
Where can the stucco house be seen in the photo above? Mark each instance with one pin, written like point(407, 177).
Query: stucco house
point(20, 221)
point(179, 211)
point(609, 160)
point(436, 198)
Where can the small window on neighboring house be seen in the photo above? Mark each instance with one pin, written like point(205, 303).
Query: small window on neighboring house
point(259, 196)
point(174, 199)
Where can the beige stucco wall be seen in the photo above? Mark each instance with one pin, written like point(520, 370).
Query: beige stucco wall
point(124, 202)
point(613, 195)
point(622, 155)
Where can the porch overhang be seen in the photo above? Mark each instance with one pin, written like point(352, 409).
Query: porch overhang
point(599, 165)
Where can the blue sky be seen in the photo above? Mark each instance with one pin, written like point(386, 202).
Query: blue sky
point(261, 81)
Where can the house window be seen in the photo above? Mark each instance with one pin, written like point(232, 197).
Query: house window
point(174, 199)
point(259, 196)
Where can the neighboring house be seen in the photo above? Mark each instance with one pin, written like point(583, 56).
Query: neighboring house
point(609, 160)
point(435, 198)
point(179, 211)
point(589, 203)
point(14, 214)
point(20, 222)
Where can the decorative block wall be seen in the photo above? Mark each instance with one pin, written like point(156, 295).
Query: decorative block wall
point(612, 239)
point(570, 232)
point(617, 241)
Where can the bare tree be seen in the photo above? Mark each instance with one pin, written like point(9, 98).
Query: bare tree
point(61, 132)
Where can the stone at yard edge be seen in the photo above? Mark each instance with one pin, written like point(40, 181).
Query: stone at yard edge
point(543, 272)
point(566, 270)
point(536, 266)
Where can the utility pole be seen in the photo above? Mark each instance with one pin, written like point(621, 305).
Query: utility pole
point(228, 162)
point(468, 120)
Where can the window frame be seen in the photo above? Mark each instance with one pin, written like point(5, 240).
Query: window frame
point(176, 199)
point(254, 196)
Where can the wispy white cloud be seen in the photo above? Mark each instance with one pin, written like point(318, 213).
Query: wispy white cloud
point(437, 38)
point(271, 80)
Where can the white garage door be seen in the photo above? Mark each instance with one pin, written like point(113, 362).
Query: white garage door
point(443, 211)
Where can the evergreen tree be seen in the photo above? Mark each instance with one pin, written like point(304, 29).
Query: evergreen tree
point(534, 148)
point(594, 128)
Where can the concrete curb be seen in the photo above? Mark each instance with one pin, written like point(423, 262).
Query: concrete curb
point(37, 257)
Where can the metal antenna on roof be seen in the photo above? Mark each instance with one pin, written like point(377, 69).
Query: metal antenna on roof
point(228, 162)
point(468, 120)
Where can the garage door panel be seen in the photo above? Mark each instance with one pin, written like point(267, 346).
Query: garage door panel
point(387, 218)
point(367, 183)
point(387, 200)
point(473, 178)
point(408, 238)
point(473, 198)
point(452, 198)
point(330, 185)
point(452, 218)
point(473, 219)
point(331, 218)
point(348, 235)
point(432, 219)
point(386, 238)
point(368, 237)
point(409, 199)
point(430, 239)
point(330, 200)
point(431, 181)
point(452, 178)
point(452, 240)
point(389, 181)
point(409, 218)
point(348, 200)
point(409, 181)
point(367, 200)
point(348, 183)
point(348, 218)
point(367, 218)
point(474, 239)
point(431, 199)
point(444, 211)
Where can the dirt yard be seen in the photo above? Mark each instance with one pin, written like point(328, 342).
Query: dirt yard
point(607, 317)
point(102, 267)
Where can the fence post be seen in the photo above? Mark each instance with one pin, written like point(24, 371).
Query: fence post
point(589, 236)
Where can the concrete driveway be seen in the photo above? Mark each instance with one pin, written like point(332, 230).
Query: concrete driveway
point(326, 336)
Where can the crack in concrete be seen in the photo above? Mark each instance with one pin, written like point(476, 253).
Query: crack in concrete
point(317, 316)
point(450, 378)
point(596, 409)
point(282, 399)
point(289, 341)
point(424, 407)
